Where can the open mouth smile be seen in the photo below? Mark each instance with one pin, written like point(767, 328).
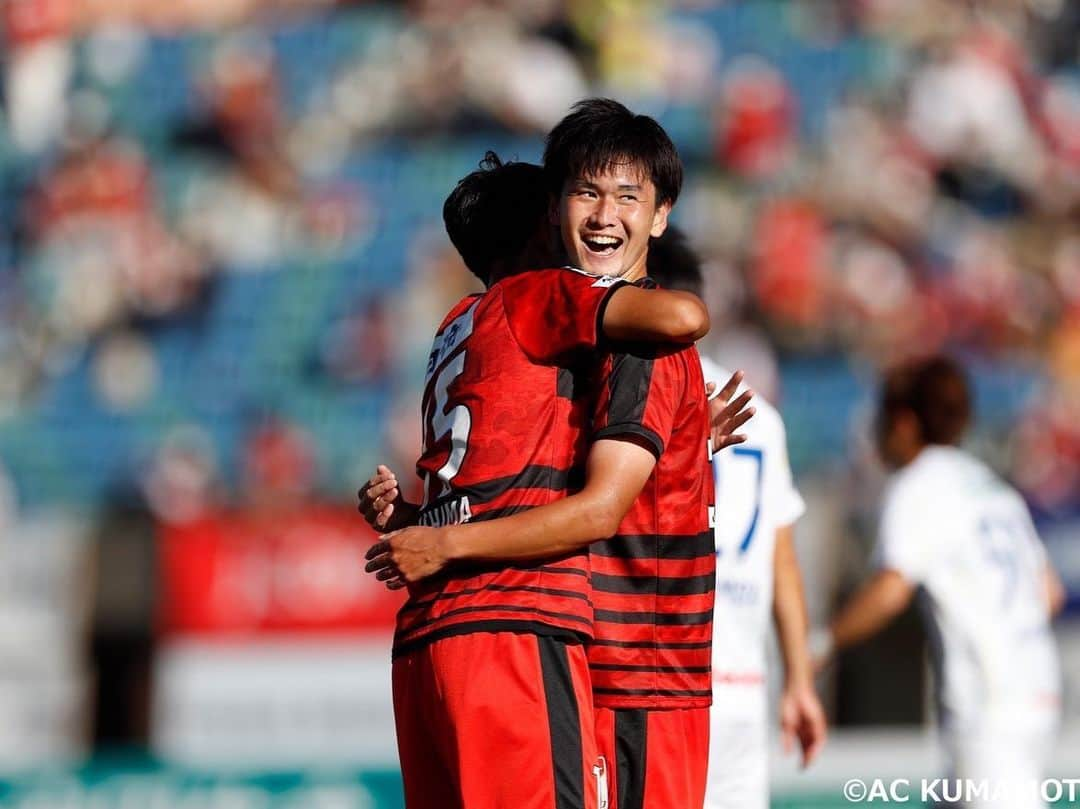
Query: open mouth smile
point(601, 245)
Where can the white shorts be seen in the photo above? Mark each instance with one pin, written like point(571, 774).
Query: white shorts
point(1009, 760)
point(738, 749)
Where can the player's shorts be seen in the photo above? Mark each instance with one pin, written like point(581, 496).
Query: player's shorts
point(656, 759)
point(1008, 760)
point(738, 748)
point(496, 720)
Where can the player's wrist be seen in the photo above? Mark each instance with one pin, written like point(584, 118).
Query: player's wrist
point(449, 545)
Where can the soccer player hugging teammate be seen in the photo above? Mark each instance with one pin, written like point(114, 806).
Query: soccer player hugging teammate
point(964, 538)
point(491, 683)
point(757, 575)
point(614, 176)
point(617, 176)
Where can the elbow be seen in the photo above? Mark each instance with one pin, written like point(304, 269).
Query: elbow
point(692, 320)
point(605, 520)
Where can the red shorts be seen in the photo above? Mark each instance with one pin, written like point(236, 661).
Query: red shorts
point(656, 759)
point(496, 720)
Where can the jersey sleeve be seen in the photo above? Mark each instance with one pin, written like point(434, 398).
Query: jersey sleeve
point(640, 398)
point(905, 536)
point(554, 313)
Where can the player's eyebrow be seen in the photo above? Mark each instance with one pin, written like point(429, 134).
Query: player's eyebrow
point(594, 187)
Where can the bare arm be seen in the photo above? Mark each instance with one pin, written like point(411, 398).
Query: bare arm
point(1055, 591)
point(801, 714)
point(615, 474)
point(880, 600)
point(655, 315)
point(789, 609)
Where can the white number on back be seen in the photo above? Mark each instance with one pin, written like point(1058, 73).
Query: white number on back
point(457, 422)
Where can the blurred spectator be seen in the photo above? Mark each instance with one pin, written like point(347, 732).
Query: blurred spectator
point(757, 127)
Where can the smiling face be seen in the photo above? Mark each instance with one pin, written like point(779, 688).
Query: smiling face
point(606, 220)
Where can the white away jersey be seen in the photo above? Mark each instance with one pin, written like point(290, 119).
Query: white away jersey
point(755, 496)
point(952, 526)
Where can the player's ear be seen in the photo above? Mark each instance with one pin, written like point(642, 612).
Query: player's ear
point(659, 222)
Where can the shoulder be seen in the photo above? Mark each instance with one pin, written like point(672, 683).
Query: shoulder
point(462, 306)
point(554, 275)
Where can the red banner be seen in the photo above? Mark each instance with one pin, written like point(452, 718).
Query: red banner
point(302, 571)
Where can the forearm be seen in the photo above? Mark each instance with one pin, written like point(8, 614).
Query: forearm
point(554, 529)
point(789, 610)
point(615, 473)
point(871, 609)
point(655, 315)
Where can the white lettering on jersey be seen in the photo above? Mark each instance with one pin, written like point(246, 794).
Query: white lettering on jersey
point(456, 423)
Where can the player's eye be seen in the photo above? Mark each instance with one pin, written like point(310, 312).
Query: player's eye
point(628, 198)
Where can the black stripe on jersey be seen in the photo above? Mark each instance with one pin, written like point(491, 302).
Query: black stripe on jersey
point(496, 513)
point(651, 692)
point(651, 669)
point(498, 625)
point(651, 644)
point(496, 567)
point(631, 740)
point(655, 546)
point(574, 383)
point(628, 383)
point(649, 438)
point(655, 585)
point(534, 476)
point(573, 571)
point(657, 618)
point(562, 616)
point(564, 724)
point(499, 588)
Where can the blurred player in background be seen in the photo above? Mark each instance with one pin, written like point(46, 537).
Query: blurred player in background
point(491, 683)
point(757, 572)
point(954, 531)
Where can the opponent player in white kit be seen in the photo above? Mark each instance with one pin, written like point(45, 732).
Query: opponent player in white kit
point(953, 530)
point(757, 574)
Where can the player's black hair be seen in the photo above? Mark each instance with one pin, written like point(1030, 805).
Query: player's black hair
point(673, 264)
point(936, 392)
point(600, 133)
point(493, 213)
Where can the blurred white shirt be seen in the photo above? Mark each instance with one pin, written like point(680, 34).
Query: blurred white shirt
point(755, 495)
point(952, 526)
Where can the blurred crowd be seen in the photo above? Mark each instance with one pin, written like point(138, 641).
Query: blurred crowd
point(868, 181)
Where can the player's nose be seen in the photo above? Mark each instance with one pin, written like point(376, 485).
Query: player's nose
point(603, 213)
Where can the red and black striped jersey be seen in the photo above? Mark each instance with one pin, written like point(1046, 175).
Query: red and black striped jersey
point(654, 581)
point(506, 422)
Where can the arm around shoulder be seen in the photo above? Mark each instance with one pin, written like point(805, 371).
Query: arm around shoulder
point(659, 315)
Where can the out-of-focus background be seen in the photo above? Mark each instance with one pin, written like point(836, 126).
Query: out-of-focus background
point(222, 261)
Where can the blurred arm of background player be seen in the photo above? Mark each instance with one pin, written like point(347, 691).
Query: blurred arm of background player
point(866, 613)
point(885, 596)
point(1056, 595)
point(801, 716)
point(616, 471)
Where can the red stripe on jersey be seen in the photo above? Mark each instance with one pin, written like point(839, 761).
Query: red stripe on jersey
point(654, 582)
point(504, 430)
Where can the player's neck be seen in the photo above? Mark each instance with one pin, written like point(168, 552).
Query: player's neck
point(636, 273)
